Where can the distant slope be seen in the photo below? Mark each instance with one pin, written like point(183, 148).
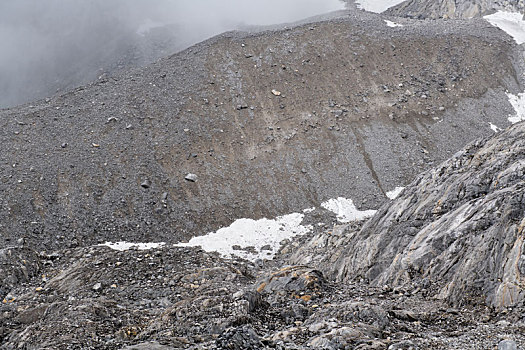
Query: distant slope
point(453, 8)
point(358, 108)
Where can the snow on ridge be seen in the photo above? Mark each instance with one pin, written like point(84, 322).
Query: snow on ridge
point(510, 22)
point(518, 102)
point(122, 246)
point(494, 127)
point(392, 24)
point(262, 237)
point(395, 192)
point(346, 211)
point(377, 6)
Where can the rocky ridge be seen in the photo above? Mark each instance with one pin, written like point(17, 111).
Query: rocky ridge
point(459, 9)
point(456, 230)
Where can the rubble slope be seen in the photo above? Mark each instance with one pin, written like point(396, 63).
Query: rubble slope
point(268, 124)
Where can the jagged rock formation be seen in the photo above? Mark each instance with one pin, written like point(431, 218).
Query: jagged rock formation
point(358, 108)
point(456, 231)
point(453, 8)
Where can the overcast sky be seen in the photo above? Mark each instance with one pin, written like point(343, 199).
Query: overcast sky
point(44, 41)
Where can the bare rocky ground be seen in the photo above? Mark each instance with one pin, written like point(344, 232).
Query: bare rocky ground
point(433, 285)
point(357, 108)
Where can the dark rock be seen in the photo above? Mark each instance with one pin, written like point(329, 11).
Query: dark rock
point(17, 265)
point(255, 301)
point(240, 338)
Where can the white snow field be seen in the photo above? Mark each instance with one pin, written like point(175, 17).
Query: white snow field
point(392, 24)
point(395, 192)
point(518, 102)
point(510, 22)
point(346, 211)
point(494, 127)
point(259, 234)
point(122, 246)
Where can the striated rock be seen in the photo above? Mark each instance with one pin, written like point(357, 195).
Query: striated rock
point(458, 229)
point(507, 345)
point(452, 8)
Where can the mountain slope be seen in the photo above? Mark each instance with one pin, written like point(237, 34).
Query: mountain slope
point(357, 109)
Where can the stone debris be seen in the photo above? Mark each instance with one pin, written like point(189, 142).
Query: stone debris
point(191, 177)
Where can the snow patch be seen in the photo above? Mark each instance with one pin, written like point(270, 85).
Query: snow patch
point(377, 6)
point(395, 192)
point(346, 211)
point(249, 237)
point(510, 22)
point(518, 102)
point(122, 246)
point(392, 24)
point(494, 127)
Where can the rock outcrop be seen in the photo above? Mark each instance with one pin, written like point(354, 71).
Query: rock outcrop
point(453, 8)
point(456, 231)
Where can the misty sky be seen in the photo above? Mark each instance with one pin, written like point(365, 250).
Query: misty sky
point(49, 45)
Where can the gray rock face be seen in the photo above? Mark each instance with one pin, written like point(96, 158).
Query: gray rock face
point(458, 229)
point(453, 8)
point(507, 345)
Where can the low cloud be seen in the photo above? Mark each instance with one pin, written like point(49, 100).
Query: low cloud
point(52, 45)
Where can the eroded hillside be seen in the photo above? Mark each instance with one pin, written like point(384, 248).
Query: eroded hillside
point(269, 123)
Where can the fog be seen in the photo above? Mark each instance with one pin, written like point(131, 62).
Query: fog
point(48, 46)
